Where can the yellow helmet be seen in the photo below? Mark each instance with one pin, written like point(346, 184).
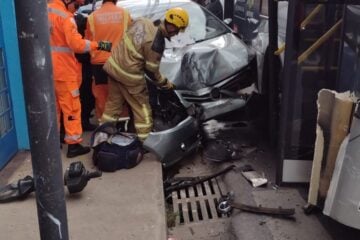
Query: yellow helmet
point(178, 17)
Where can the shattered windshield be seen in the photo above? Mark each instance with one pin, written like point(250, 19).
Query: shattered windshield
point(202, 25)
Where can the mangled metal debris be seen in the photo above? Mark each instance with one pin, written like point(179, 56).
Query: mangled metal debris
point(218, 151)
point(226, 205)
point(205, 63)
point(335, 170)
point(254, 177)
point(179, 183)
point(328, 140)
point(213, 128)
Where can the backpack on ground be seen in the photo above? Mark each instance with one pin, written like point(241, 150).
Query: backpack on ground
point(113, 149)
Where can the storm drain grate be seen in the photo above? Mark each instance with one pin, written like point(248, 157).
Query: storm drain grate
point(197, 203)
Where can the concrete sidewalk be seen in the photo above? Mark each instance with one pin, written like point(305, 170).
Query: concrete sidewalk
point(124, 205)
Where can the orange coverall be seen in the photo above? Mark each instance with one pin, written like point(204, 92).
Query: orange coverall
point(64, 41)
point(107, 23)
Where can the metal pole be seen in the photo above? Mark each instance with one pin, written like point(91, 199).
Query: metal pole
point(342, 43)
point(288, 84)
point(273, 72)
point(305, 55)
point(33, 35)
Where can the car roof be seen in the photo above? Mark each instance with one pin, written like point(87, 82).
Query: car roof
point(153, 9)
point(149, 3)
point(139, 8)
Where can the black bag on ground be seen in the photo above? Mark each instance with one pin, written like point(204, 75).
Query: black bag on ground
point(114, 149)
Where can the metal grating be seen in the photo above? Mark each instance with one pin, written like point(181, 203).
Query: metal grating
point(197, 203)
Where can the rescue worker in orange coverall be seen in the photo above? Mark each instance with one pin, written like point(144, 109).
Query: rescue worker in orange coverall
point(64, 42)
point(108, 22)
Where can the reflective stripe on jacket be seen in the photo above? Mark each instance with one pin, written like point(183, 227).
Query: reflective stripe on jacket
point(64, 41)
point(107, 23)
point(138, 52)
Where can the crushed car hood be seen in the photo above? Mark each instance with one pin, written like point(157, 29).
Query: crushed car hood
point(204, 64)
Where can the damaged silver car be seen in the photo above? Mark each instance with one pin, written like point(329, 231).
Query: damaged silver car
point(209, 66)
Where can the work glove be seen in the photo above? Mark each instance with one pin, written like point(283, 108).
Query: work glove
point(104, 46)
point(167, 85)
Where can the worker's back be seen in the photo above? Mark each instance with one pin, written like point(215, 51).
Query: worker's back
point(131, 54)
point(107, 23)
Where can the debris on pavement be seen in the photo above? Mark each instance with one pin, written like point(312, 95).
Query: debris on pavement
point(226, 205)
point(76, 178)
point(334, 175)
point(218, 151)
point(17, 191)
point(275, 187)
point(254, 177)
point(333, 124)
point(178, 183)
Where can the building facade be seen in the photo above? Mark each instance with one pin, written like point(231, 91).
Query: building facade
point(13, 125)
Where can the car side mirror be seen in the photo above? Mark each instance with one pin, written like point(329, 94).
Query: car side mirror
point(228, 21)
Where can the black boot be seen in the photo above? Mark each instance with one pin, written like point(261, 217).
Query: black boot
point(75, 150)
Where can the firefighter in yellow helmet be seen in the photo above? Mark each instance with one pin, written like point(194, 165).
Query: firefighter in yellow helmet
point(139, 53)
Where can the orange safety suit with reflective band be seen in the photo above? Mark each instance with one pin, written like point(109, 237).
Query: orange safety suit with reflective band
point(138, 52)
point(107, 23)
point(64, 41)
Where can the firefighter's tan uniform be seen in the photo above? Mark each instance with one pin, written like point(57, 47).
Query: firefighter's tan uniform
point(109, 23)
point(139, 51)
